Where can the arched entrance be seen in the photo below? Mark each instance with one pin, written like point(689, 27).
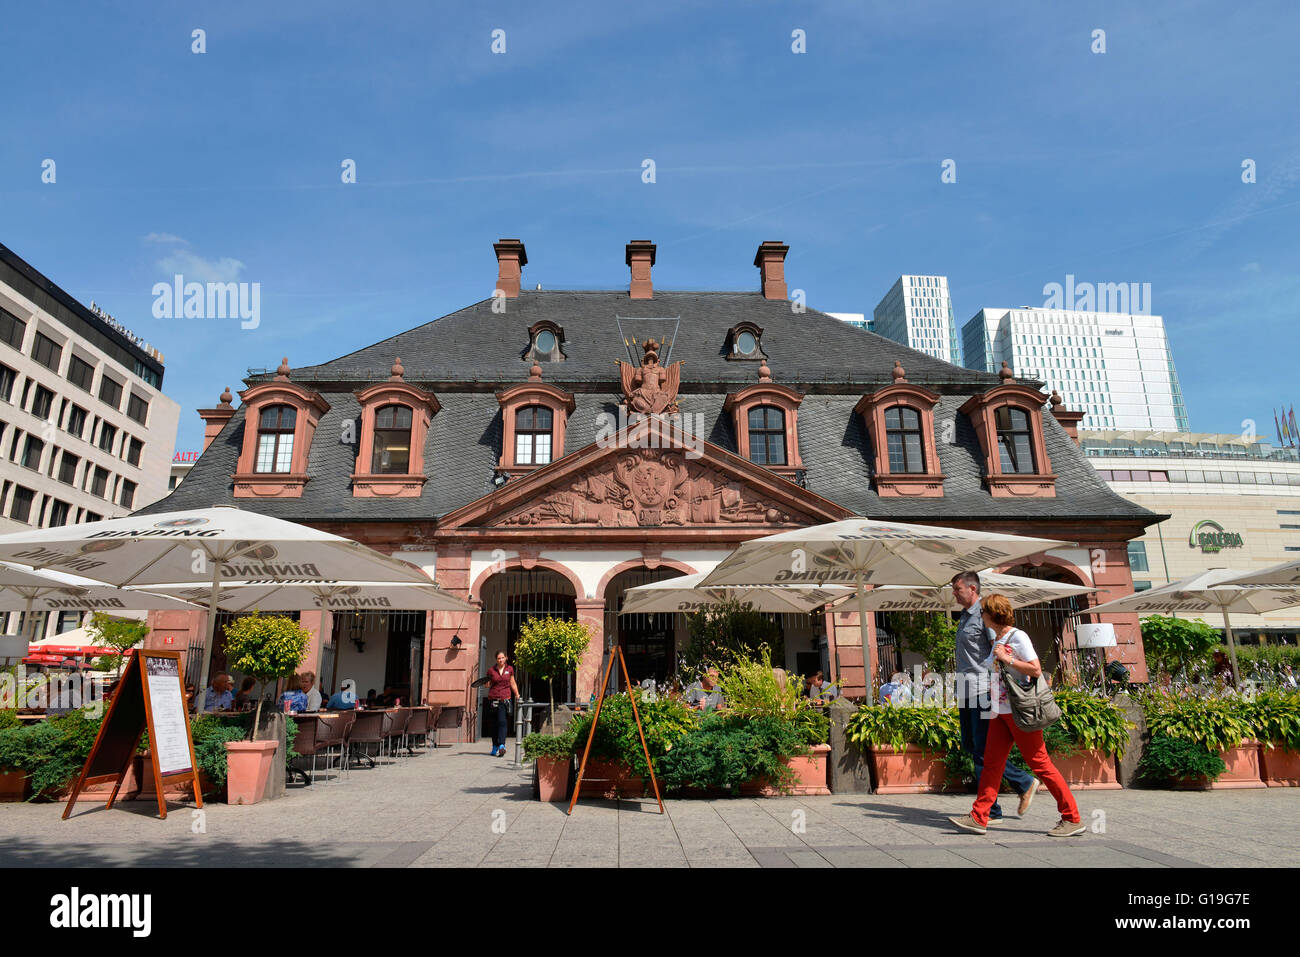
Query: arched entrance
point(1051, 626)
point(509, 599)
point(650, 641)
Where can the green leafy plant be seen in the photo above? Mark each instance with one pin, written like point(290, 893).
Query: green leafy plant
point(210, 732)
point(1175, 646)
point(556, 746)
point(1274, 717)
point(750, 689)
point(664, 720)
point(265, 647)
point(52, 752)
point(9, 719)
point(932, 635)
point(721, 635)
point(1088, 721)
point(1217, 722)
point(936, 730)
point(551, 648)
point(120, 633)
point(727, 751)
point(1173, 759)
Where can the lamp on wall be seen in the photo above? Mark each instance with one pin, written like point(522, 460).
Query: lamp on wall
point(359, 642)
point(456, 642)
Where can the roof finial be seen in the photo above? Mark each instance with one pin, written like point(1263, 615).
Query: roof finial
point(225, 399)
point(1056, 400)
point(1005, 373)
point(397, 371)
point(764, 372)
point(535, 371)
point(283, 371)
point(899, 374)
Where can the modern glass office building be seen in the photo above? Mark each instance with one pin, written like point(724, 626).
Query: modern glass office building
point(1116, 368)
point(917, 312)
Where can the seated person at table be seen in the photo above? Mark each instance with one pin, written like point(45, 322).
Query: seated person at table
point(703, 695)
point(244, 699)
point(345, 699)
point(219, 697)
point(294, 695)
point(372, 700)
point(309, 688)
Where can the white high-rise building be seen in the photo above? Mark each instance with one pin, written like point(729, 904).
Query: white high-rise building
point(85, 431)
point(1115, 368)
point(917, 312)
point(855, 319)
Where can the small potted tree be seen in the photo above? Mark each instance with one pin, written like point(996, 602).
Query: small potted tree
point(120, 634)
point(266, 648)
point(550, 648)
point(554, 756)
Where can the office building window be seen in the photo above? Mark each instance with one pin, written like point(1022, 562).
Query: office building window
point(77, 421)
point(68, 469)
point(68, 621)
point(12, 329)
point(137, 408)
point(133, 450)
point(1141, 586)
point(58, 513)
point(128, 493)
point(92, 517)
point(32, 453)
point(1137, 557)
point(99, 484)
point(80, 372)
point(21, 509)
point(110, 391)
point(42, 402)
point(107, 436)
point(47, 352)
point(7, 378)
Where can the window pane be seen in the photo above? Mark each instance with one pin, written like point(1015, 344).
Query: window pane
point(543, 448)
point(1024, 453)
point(894, 442)
point(524, 449)
point(776, 448)
point(284, 455)
point(775, 418)
point(891, 418)
point(756, 418)
point(912, 441)
point(525, 419)
point(265, 453)
point(910, 419)
point(543, 417)
point(757, 448)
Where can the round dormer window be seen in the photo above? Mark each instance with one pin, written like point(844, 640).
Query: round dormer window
point(746, 343)
point(545, 342)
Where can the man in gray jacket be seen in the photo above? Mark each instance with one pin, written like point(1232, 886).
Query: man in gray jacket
point(974, 644)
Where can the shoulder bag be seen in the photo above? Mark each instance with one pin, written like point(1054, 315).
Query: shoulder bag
point(1033, 708)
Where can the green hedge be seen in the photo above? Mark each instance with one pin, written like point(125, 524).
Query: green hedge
point(727, 751)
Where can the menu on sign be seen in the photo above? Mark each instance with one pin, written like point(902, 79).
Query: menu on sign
point(170, 742)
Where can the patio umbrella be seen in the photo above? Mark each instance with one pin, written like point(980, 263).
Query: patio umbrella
point(1288, 573)
point(328, 596)
point(685, 594)
point(861, 551)
point(205, 546)
point(1209, 591)
point(1018, 590)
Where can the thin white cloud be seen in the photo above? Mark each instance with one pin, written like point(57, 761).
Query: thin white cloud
point(197, 269)
point(1251, 267)
point(167, 239)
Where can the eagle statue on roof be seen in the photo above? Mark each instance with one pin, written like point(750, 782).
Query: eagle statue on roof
point(650, 388)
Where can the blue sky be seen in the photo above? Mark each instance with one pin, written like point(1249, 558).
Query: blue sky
point(1115, 167)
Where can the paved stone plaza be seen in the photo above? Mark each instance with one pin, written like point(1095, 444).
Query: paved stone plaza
point(460, 807)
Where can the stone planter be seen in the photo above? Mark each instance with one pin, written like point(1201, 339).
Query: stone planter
point(1280, 768)
point(14, 785)
point(910, 771)
point(812, 774)
point(610, 779)
point(553, 778)
point(249, 770)
point(1088, 770)
point(1243, 768)
point(130, 789)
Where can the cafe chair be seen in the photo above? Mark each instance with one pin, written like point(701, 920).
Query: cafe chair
point(417, 729)
point(307, 745)
point(367, 729)
point(395, 729)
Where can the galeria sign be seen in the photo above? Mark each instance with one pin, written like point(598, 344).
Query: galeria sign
point(1210, 537)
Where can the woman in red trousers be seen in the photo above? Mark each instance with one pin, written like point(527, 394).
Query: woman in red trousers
point(1012, 647)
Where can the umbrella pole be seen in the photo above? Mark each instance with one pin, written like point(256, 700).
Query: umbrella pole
point(867, 662)
point(201, 690)
point(1232, 647)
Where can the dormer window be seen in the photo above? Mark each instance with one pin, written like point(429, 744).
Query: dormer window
point(1009, 422)
point(900, 424)
point(744, 341)
point(544, 341)
point(903, 437)
point(1015, 440)
point(392, 451)
point(533, 435)
point(767, 435)
point(275, 429)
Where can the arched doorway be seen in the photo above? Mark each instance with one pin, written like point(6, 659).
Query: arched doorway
point(509, 599)
point(1051, 626)
point(650, 641)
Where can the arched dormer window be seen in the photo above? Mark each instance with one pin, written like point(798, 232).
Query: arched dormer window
point(280, 419)
point(766, 419)
point(1009, 422)
point(533, 419)
point(395, 419)
point(392, 443)
point(545, 339)
point(900, 422)
point(744, 341)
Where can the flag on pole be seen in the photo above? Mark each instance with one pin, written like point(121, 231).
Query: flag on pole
point(1294, 433)
point(1278, 427)
point(1286, 430)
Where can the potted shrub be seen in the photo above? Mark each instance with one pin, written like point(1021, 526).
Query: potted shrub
point(907, 745)
point(1275, 717)
point(266, 647)
point(751, 690)
point(51, 753)
point(550, 648)
point(13, 779)
point(616, 765)
point(1182, 763)
point(1217, 722)
point(1177, 646)
point(1088, 740)
point(554, 756)
point(730, 754)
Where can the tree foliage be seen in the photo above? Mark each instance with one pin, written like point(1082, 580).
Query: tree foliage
point(729, 633)
point(266, 647)
point(930, 634)
point(1175, 645)
point(550, 648)
point(120, 633)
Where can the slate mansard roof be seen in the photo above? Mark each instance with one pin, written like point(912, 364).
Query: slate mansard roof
point(467, 356)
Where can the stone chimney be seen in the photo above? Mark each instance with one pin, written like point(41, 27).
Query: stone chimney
point(215, 419)
point(770, 260)
point(640, 255)
point(1069, 420)
point(511, 260)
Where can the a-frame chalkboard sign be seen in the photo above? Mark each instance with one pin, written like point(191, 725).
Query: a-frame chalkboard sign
point(149, 696)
